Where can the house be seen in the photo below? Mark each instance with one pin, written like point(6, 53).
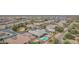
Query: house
point(2, 27)
point(38, 32)
point(20, 39)
point(61, 23)
point(7, 33)
point(44, 38)
point(50, 28)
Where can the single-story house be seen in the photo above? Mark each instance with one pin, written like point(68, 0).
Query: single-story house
point(38, 32)
point(50, 28)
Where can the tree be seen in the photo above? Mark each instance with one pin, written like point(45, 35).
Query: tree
point(69, 21)
point(68, 36)
point(1, 40)
point(74, 25)
point(73, 31)
point(59, 29)
point(18, 26)
point(43, 26)
point(66, 42)
point(46, 20)
point(21, 25)
point(14, 27)
point(73, 28)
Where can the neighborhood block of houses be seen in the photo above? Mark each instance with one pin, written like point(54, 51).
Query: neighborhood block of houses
point(44, 29)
